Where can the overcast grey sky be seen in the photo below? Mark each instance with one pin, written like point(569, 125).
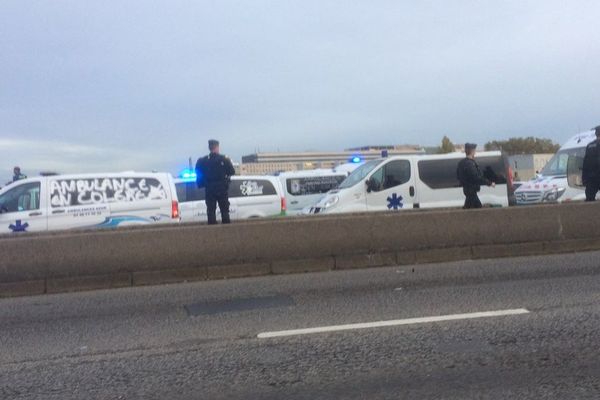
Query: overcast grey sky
point(141, 84)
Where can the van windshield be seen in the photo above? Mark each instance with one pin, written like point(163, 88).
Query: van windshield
point(558, 164)
point(359, 174)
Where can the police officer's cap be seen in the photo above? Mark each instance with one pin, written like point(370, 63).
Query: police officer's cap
point(212, 143)
point(470, 146)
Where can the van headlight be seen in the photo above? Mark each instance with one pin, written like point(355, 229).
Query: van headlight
point(331, 201)
point(554, 194)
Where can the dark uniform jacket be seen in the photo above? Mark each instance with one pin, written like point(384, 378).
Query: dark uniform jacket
point(470, 176)
point(591, 163)
point(19, 177)
point(214, 172)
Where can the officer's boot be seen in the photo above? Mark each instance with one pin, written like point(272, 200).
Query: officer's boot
point(225, 217)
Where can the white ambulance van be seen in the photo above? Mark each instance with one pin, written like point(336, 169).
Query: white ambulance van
point(305, 188)
point(405, 182)
point(551, 185)
point(58, 202)
point(249, 197)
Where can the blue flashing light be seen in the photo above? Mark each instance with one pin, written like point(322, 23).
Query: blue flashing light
point(356, 159)
point(188, 174)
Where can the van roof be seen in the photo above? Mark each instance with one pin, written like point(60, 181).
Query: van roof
point(235, 177)
point(104, 174)
point(131, 174)
point(444, 156)
point(580, 140)
point(100, 175)
point(310, 172)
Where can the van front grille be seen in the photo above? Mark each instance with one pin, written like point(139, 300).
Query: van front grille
point(530, 197)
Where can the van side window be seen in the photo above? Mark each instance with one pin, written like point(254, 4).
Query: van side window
point(189, 191)
point(396, 173)
point(493, 168)
point(181, 189)
point(194, 193)
point(22, 198)
point(392, 174)
point(251, 188)
point(441, 174)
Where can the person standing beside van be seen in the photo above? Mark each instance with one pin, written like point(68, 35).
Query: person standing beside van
point(213, 172)
point(471, 178)
point(591, 168)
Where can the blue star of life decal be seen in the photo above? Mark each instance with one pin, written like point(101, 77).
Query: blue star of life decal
point(18, 226)
point(395, 202)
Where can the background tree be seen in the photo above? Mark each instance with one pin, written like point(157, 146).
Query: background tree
point(447, 146)
point(525, 145)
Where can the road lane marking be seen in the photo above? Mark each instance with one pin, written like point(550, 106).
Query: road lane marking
point(396, 322)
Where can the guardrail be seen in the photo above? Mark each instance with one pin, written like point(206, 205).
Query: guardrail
point(69, 261)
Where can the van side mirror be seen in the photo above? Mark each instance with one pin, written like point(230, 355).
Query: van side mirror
point(370, 184)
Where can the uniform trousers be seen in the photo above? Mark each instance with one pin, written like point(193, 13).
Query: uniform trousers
point(471, 199)
point(212, 199)
point(591, 190)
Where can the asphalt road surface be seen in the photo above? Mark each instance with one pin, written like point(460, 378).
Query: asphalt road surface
point(520, 328)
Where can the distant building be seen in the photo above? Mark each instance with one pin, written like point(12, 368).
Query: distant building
point(525, 166)
point(458, 148)
point(269, 163)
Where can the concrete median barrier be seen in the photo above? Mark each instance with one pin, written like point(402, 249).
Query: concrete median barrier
point(67, 261)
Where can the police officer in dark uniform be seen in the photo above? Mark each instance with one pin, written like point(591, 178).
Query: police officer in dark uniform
point(591, 168)
point(471, 178)
point(214, 173)
point(17, 175)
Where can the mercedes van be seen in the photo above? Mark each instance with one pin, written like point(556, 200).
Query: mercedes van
point(405, 182)
point(249, 197)
point(57, 202)
point(551, 185)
